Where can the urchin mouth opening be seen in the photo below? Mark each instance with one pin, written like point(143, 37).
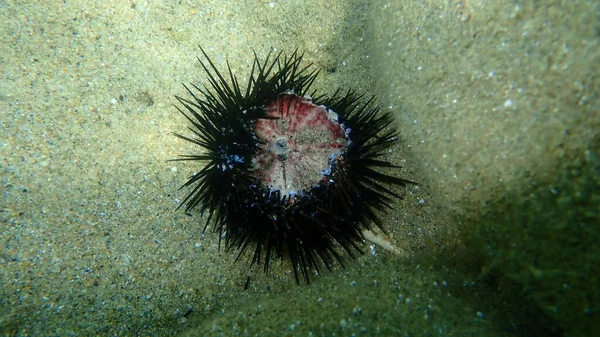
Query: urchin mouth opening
point(280, 148)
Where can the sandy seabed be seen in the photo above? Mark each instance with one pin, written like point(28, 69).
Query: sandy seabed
point(496, 103)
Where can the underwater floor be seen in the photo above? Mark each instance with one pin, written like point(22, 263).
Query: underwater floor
point(496, 104)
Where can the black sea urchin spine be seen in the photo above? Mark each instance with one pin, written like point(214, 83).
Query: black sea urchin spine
point(268, 179)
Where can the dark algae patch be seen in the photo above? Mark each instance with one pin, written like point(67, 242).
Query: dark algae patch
point(544, 241)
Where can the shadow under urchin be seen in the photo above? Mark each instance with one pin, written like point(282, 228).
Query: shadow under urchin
point(284, 170)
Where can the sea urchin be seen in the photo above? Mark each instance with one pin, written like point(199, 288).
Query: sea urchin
point(285, 171)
